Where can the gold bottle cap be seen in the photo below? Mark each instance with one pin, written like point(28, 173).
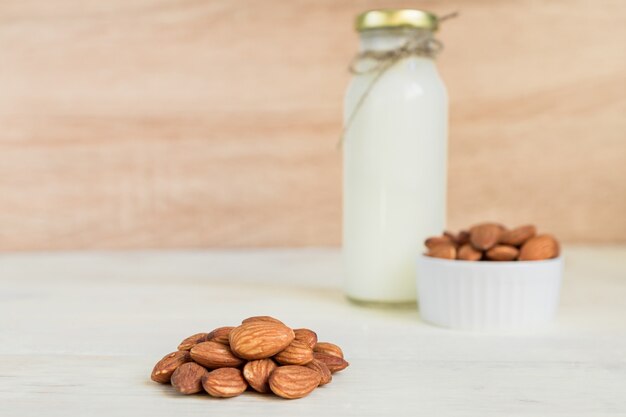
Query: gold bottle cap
point(396, 18)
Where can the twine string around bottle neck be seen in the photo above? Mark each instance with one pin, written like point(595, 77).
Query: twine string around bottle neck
point(421, 44)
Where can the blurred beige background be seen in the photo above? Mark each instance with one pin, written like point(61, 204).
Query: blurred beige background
point(188, 123)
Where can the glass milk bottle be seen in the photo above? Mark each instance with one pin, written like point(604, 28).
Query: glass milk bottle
point(394, 154)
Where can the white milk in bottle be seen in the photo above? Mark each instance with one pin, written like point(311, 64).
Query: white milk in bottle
point(394, 152)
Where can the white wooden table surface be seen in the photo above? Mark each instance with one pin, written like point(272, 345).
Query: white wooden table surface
point(79, 334)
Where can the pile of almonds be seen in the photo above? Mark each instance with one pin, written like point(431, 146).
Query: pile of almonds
point(262, 353)
point(494, 242)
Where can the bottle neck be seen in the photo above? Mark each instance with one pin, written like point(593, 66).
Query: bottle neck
point(389, 39)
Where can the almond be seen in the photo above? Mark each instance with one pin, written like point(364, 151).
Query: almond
point(220, 335)
point(321, 369)
point(328, 348)
point(468, 253)
point(502, 253)
point(334, 363)
point(262, 318)
point(431, 242)
point(187, 379)
point(297, 353)
point(224, 382)
point(191, 341)
point(293, 381)
point(485, 236)
point(260, 339)
point(459, 239)
point(451, 236)
point(164, 368)
point(517, 236)
point(307, 336)
point(257, 373)
point(463, 237)
point(214, 355)
point(443, 250)
point(538, 248)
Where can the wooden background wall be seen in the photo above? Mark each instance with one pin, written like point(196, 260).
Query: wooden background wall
point(209, 123)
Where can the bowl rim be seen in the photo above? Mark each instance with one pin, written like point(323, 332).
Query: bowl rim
point(490, 264)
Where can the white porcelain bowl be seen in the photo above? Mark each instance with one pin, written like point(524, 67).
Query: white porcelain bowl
point(488, 295)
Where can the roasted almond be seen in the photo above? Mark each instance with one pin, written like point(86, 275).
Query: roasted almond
point(187, 379)
point(262, 318)
point(297, 353)
point(443, 250)
point(307, 336)
point(431, 242)
point(538, 248)
point(214, 355)
point(468, 253)
point(293, 381)
point(260, 339)
point(321, 369)
point(485, 236)
point(164, 368)
point(220, 335)
point(224, 382)
point(458, 239)
point(328, 348)
point(258, 372)
point(334, 363)
point(517, 236)
point(451, 236)
point(502, 253)
point(191, 341)
point(463, 237)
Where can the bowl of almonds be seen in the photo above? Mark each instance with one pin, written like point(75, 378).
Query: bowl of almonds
point(490, 277)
